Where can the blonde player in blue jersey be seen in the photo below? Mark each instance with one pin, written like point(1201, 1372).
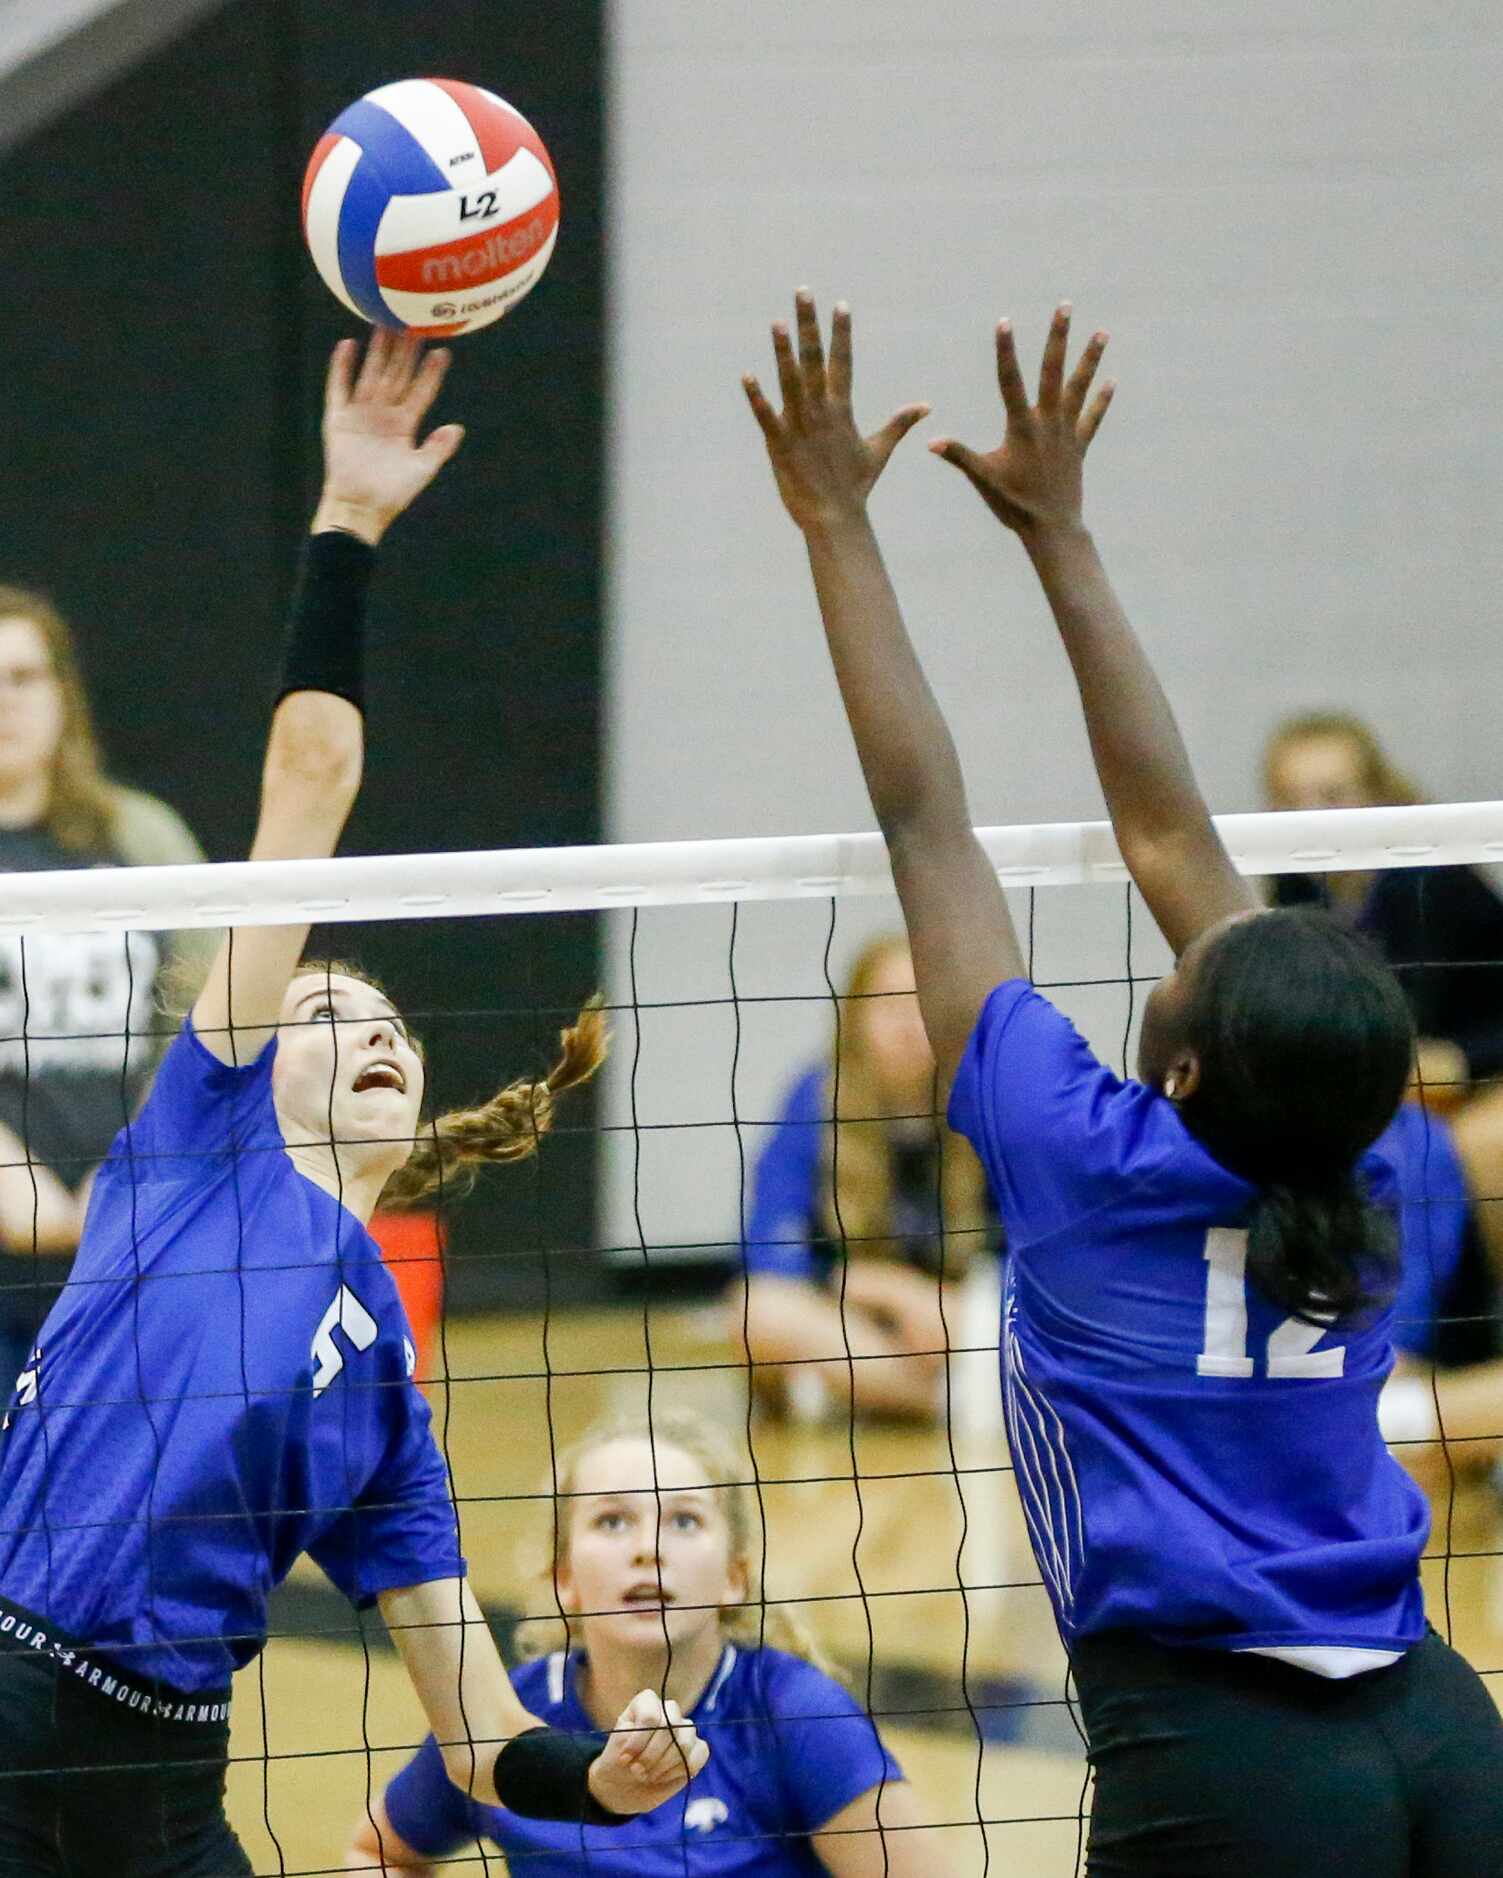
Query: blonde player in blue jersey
point(225, 1382)
point(654, 1564)
point(1196, 1325)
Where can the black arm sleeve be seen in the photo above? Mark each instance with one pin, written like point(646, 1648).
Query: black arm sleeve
point(325, 649)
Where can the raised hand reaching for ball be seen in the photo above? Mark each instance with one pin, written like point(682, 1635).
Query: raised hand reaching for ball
point(374, 464)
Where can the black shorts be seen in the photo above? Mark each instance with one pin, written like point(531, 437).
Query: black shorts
point(1212, 1765)
point(93, 1787)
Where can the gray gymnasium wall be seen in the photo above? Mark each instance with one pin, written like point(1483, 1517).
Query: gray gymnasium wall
point(1288, 218)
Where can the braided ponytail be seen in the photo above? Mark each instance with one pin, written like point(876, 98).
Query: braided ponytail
point(506, 1128)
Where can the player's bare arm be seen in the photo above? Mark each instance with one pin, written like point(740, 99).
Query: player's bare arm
point(374, 467)
point(958, 923)
point(879, 1835)
point(1032, 482)
point(37, 1212)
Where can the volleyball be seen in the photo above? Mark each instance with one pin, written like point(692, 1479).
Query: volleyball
point(430, 206)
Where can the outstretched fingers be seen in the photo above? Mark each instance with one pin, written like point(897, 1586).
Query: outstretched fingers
point(1080, 379)
point(426, 383)
point(762, 411)
point(1009, 378)
point(811, 349)
point(789, 381)
point(1088, 425)
point(1052, 371)
point(440, 445)
point(882, 443)
point(969, 462)
point(339, 383)
point(840, 353)
point(373, 366)
point(401, 364)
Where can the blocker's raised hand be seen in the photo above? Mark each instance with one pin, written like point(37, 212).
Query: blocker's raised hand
point(374, 465)
point(1032, 480)
point(652, 1752)
point(824, 467)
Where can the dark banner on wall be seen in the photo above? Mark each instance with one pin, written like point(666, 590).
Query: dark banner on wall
point(165, 344)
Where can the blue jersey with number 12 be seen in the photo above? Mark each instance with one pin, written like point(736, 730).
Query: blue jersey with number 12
point(1194, 1465)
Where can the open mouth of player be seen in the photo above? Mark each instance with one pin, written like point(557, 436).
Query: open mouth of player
point(381, 1074)
point(646, 1596)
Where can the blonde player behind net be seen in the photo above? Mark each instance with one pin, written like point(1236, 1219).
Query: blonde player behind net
point(654, 1568)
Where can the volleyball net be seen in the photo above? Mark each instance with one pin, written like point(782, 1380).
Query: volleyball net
point(902, 1548)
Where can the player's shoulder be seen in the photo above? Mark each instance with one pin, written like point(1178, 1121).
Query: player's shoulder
point(1023, 1046)
point(775, 1682)
point(1416, 1151)
point(147, 831)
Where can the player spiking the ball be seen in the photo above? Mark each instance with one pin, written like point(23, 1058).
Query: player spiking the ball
point(1196, 1318)
point(225, 1383)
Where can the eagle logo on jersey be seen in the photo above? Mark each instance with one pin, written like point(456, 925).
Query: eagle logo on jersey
point(706, 1814)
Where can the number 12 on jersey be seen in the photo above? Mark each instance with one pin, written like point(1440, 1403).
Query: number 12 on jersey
point(1291, 1346)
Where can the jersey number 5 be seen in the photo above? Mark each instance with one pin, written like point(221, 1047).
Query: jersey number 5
point(348, 1314)
point(1291, 1347)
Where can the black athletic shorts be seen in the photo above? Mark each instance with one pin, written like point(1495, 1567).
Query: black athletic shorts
point(103, 1776)
point(1213, 1765)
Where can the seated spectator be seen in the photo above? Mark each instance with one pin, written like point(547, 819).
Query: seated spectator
point(79, 1032)
point(1447, 1376)
point(856, 1233)
point(1441, 928)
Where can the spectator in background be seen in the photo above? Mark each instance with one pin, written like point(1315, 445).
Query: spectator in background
point(79, 1031)
point(856, 1233)
point(1441, 928)
point(1447, 1377)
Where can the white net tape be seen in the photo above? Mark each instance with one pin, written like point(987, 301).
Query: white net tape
point(682, 873)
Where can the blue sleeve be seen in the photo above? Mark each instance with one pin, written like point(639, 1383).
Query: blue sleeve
point(402, 1529)
point(829, 1751)
point(1435, 1207)
point(198, 1109)
point(427, 1809)
point(785, 1188)
point(1057, 1132)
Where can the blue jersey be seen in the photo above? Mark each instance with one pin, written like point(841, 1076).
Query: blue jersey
point(1193, 1464)
point(787, 1234)
point(783, 1227)
point(223, 1385)
point(789, 1749)
point(1436, 1213)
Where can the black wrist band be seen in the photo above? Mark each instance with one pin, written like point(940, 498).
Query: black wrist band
point(325, 648)
point(545, 1774)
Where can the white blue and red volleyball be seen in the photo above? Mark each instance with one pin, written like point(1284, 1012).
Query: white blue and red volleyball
point(430, 207)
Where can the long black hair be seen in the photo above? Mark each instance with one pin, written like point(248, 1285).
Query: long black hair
point(1305, 1045)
